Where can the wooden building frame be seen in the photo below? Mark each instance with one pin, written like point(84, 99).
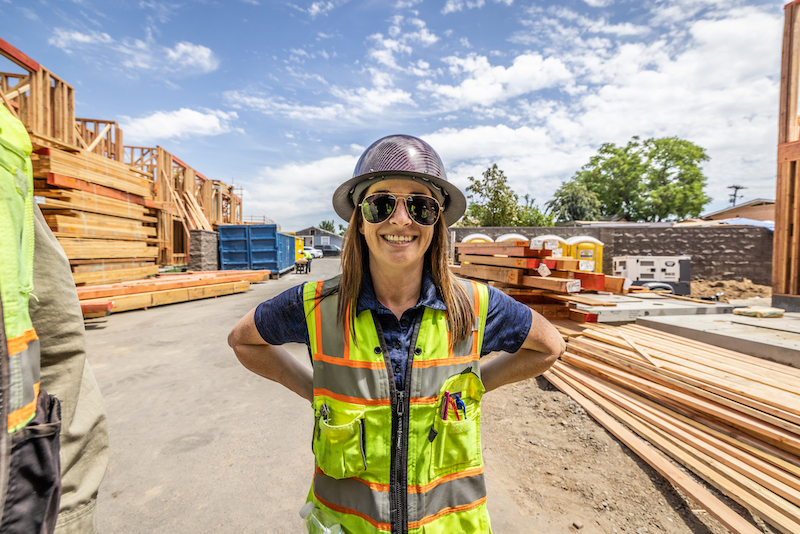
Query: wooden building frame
point(786, 245)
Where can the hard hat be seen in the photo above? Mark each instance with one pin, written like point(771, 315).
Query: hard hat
point(405, 157)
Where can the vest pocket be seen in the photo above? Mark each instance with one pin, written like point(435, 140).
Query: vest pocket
point(340, 450)
point(455, 431)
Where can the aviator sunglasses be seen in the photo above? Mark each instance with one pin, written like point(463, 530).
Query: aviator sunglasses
point(378, 207)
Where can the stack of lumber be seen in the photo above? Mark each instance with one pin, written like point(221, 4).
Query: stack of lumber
point(546, 282)
point(97, 301)
point(99, 209)
point(731, 419)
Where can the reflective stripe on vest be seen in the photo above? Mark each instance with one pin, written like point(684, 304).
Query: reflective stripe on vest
point(354, 410)
point(16, 271)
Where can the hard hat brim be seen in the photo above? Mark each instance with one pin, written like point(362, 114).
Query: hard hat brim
point(455, 204)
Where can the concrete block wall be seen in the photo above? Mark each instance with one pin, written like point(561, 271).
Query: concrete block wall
point(722, 252)
point(203, 250)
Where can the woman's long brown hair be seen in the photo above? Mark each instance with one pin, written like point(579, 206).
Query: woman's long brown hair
point(460, 315)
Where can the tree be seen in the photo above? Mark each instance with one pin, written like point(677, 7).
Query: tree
point(574, 202)
point(653, 180)
point(342, 229)
point(492, 201)
point(530, 214)
point(327, 225)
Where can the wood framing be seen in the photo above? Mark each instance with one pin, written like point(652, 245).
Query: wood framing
point(786, 247)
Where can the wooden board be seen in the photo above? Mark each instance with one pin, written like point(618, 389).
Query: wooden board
point(103, 248)
point(732, 521)
point(485, 272)
point(159, 298)
point(551, 284)
point(500, 261)
point(111, 276)
point(59, 199)
point(153, 284)
point(67, 182)
point(489, 249)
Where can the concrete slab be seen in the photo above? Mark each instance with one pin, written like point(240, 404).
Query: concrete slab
point(629, 308)
point(775, 339)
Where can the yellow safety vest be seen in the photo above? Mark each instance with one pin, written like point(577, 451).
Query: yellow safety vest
point(387, 460)
point(20, 345)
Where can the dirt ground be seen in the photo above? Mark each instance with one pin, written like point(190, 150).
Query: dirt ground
point(563, 465)
point(730, 289)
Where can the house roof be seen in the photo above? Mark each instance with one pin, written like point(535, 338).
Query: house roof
point(756, 202)
point(313, 230)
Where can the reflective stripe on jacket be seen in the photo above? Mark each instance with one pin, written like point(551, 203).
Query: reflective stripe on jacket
point(29, 448)
point(388, 460)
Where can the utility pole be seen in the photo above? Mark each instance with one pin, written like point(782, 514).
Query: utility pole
point(735, 193)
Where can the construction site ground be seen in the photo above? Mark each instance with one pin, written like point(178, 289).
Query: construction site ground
point(201, 445)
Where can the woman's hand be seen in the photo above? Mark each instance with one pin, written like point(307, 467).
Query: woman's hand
point(541, 348)
point(270, 361)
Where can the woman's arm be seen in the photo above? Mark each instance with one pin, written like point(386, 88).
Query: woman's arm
point(270, 361)
point(541, 348)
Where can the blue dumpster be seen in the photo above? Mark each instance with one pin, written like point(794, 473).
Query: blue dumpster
point(256, 247)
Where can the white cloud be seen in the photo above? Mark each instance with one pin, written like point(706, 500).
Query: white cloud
point(191, 56)
point(137, 54)
point(403, 33)
point(314, 182)
point(458, 5)
point(67, 40)
point(485, 84)
point(178, 124)
point(348, 105)
point(599, 3)
point(401, 4)
point(320, 8)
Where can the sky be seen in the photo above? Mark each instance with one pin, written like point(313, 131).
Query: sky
point(281, 98)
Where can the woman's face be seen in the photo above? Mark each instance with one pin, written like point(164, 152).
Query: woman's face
point(398, 241)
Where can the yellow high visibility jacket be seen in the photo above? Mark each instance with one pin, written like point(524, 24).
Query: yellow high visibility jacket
point(397, 461)
point(16, 272)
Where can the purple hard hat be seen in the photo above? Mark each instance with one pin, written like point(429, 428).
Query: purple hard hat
point(400, 156)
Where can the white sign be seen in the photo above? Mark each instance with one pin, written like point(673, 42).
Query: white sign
point(586, 265)
point(543, 270)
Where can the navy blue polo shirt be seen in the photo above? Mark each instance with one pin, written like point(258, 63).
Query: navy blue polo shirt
point(282, 320)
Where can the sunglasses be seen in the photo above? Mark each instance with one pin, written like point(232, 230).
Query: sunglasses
point(378, 207)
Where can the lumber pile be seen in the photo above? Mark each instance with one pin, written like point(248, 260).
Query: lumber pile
point(730, 418)
point(549, 283)
point(100, 300)
point(101, 212)
point(118, 211)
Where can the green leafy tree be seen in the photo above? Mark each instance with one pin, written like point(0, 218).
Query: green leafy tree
point(653, 180)
point(574, 202)
point(492, 201)
point(529, 214)
point(327, 225)
point(674, 180)
point(342, 229)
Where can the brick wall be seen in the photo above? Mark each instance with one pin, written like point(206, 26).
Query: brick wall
point(722, 252)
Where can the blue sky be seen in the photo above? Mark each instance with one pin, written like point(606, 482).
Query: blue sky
point(281, 97)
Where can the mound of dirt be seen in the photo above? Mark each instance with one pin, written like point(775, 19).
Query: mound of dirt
point(730, 289)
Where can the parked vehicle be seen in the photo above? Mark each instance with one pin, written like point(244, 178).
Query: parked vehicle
point(330, 250)
point(315, 252)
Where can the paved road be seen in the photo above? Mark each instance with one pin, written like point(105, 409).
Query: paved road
point(198, 443)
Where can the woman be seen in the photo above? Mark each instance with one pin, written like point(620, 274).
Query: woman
point(395, 344)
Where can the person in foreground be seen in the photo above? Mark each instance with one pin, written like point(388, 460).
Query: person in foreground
point(395, 345)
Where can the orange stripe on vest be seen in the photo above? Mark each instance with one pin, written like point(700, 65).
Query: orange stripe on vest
point(20, 343)
point(17, 417)
point(343, 510)
point(444, 361)
point(351, 400)
point(356, 364)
